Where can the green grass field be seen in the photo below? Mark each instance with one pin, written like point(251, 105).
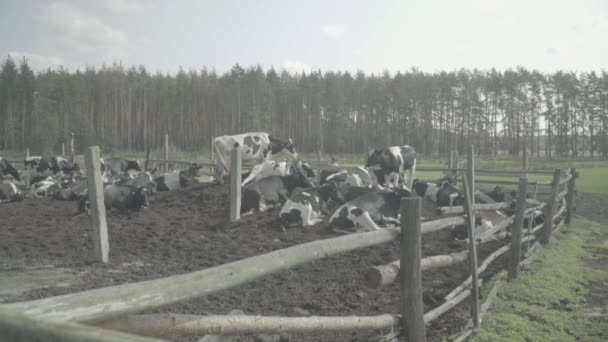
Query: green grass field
point(542, 304)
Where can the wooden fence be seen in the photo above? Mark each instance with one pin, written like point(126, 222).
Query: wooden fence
point(62, 317)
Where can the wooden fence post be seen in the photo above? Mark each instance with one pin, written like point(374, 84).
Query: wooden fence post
point(471, 172)
point(412, 308)
point(27, 153)
point(472, 249)
point(455, 168)
point(516, 229)
point(570, 196)
point(28, 169)
point(62, 149)
point(98, 210)
point(235, 184)
point(450, 173)
point(550, 208)
point(166, 152)
point(72, 154)
point(524, 156)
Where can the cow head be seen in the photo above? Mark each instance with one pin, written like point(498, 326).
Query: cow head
point(133, 165)
point(138, 198)
point(420, 187)
point(497, 194)
point(375, 159)
point(277, 145)
point(299, 176)
point(307, 169)
point(329, 193)
point(8, 169)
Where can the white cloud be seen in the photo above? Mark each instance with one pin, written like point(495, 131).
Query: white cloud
point(334, 31)
point(295, 66)
point(124, 6)
point(37, 62)
point(552, 51)
point(75, 30)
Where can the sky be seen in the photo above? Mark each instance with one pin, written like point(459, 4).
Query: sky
point(300, 36)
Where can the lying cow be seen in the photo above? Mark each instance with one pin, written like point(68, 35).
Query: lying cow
point(359, 176)
point(271, 190)
point(6, 168)
point(44, 188)
point(443, 195)
point(119, 166)
point(254, 146)
point(277, 168)
point(42, 167)
point(10, 193)
point(176, 179)
point(393, 164)
point(121, 197)
point(365, 212)
point(72, 191)
point(498, 194)
point(309, 205)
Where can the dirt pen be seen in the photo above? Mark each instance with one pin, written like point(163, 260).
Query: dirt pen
point(307, 283)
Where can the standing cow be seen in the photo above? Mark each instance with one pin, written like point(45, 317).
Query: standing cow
point(254, 146)
point(119, 166)
point(393, 164)
point(6, 168)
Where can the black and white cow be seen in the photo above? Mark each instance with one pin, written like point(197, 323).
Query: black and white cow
point(359, 176)
point(9, 192)
point(393, 164)
point(176, 179)
point(308, 206)
point(72, 191)
point(365, 212)
point(271, 191)
point(277, 168)
point(6, 168)
point(498, 194)
point(254, 146)
point(119, 166)
point(43, 167)
point(121, 197)
point(444, 194)
point(44, 188)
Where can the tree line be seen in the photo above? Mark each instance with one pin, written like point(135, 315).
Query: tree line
point(561, 114)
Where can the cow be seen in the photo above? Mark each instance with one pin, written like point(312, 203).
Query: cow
point(308, 206)
point(6, 168)
point(444, 194)
point(44, 188)
point(271, 190)
point(72, 192)
point(484, 220)
point(121, 197)
point(277, 168)
point(176, 179)
point(364, 212)
point(254, 146)
point(358, 176)
point(43, 167)
point(119, 166)
point(498, 194)
point(10, 193)
point(393, 164)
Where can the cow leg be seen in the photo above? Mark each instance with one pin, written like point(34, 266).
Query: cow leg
point(409, 176)
point(309, 218)
point(389, 219)
point(365, 221)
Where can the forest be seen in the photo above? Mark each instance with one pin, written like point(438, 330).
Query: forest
point(561, 114)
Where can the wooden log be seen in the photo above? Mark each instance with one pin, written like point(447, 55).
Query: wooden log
point(530, 211)
point(27, 153)
point(565, 180)
point(443, 308)
point(435, 225)
point(530, 257)
point(62, 149)
point(20, 328)
point(243, 324)
point(455, 172)
point(147, 324)
point(412, 307)
point(537, 228)
point(550, 209)
point(460, 209)
point(513, 173)
point(101, 246)
point(384, 275)
point(570, 196)
point(469, 200)
point(114, 301)
point(199, 162)
point(471, 173)
point(235, 184)
point(486, 236)
point(72, 153)
point(559, 226)
point(483, 198)
point(559, 212)
point(482, 268)
point(562, 194)
point(516, 230)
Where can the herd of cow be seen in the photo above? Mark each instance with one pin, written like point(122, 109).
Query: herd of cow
point(353, 199)
point(60, 179)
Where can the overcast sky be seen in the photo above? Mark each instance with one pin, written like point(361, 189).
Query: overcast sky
point(302, 35)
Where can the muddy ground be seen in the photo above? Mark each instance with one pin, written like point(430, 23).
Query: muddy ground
point(188, 230)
